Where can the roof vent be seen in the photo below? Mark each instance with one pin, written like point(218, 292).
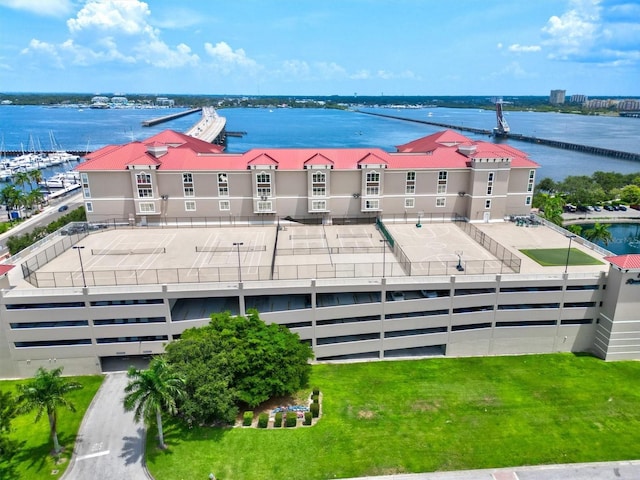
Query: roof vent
point(467, 150)
point(157, 149)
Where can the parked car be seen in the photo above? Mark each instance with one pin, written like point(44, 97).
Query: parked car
point(622, 208)
point(597, 208)
point(397, 296)
point(63, 208)
point(608, 208)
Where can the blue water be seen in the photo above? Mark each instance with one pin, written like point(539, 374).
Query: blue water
point(626, 238)
point(87, 129)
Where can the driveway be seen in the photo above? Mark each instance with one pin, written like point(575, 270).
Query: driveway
point(110, 444)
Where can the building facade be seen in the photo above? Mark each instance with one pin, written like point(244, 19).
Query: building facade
point(173, 176)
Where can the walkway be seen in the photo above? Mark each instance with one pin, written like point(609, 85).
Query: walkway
point(110, 444)
point(629, 470)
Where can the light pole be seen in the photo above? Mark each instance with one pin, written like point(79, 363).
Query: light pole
point(384, 250)
point(566, 265)
point(79, 249)
point(238, 245)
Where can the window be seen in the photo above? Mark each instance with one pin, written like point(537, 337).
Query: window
point(50, 324)
point(409, 202)
point(372, 205)
point(319, 184)
point(84, 180)
point(372, 187)
point(487, 204)
point(318, 205)
point(490, 178)
point(88, 206)
point(147, 207)
point(442, 182)
point(264, 206)
point(224, 205)
point(143, 179)
point(187, 184)
point(145, 193)
point(532, 177)
point(441, 201)
point(223, 185)
point(190, 206)
point(263, 184)
point(527, 201)
point(410, 187)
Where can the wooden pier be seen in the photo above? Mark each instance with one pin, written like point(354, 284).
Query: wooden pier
point(605, 152)
point(166, 118)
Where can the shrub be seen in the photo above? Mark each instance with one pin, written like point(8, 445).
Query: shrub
point(263, 420)
point(315, 398)
point(247, 418)
point(316, 391)
point(315, 410)
point(307, 418)
point(277, 423)
point(292, 419)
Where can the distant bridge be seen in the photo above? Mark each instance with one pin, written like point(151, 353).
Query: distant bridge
point(605, 152)
point(210, 128)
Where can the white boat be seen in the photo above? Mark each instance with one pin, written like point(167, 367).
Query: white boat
point(61, 180)
point(5, 174)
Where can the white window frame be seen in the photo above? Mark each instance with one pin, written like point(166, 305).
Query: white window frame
point(84, 180)
point(190, 205)
point(263, 185)
point(189, 192)
point(147, 207)
point(532, 177)
point(410, 183)
point(264, 206)
point(88, 206)
point(372, 184)
point(223, 184)
point(527, 200)
point(318, 184)
point(490, 178)
point(145, 192)
point(372, 204)
point(487, 204)
point(409, 203)
point(143, 178)
point(187, 185)
point(441, 202)
point(443, 178)
point(318, 205)
point(224, 205)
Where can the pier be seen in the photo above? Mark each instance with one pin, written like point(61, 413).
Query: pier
point(605, 152)
point(166, 118)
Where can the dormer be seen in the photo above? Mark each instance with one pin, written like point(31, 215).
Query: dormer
point(157, 149)
point(467, 150)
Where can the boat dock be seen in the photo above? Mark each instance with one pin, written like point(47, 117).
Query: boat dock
point(605, 152)
point(166, 118)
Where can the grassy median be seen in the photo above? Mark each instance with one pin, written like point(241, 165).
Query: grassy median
point(34, 460)
point(429, 415)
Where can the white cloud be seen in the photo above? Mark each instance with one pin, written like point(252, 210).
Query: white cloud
point(158, 54)
point(595, 31)
point(127, 16)
point(49, 8)
point(46, 50)
point(517, 48)
point(227, 59)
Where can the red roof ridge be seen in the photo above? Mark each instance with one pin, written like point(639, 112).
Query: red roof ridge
point(630, 261)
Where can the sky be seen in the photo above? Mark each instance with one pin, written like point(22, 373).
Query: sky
point(321, 47)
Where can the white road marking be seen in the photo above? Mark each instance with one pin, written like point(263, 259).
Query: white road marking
point(92, 455)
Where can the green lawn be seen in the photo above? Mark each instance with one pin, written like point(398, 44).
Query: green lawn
point(34, 460)
point(429, 415)
point(554, 257)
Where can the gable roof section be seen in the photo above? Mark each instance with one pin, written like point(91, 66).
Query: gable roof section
point(185, 153)
point(625, 262)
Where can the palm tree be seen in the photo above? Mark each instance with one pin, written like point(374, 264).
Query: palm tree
point(35, 176)
point(34, 197)
point(21, 179)
point(152, 391)
point(46, 393)
point(598, 233)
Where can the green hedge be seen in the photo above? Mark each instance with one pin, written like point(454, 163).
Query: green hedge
point(316, 391)
point(308, 417)
point(315, 410)
point(247, 418)
point(277, 423)
point(263, 420)
point(315, 398)
point(292, 419)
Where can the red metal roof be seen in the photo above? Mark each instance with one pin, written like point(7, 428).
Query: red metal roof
point(625, 262)
point(437, 151)
point(5, 268)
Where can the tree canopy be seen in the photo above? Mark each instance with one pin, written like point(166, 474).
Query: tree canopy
point(237, 360)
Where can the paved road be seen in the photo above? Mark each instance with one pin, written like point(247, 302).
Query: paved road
point(110, 444)
point(629, 470)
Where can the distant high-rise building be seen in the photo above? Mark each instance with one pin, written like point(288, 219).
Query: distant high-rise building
point(557, 97)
